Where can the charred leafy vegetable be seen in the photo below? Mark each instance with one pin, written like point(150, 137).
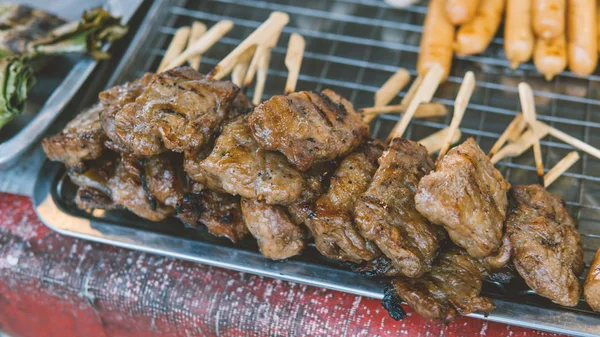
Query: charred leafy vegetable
point(16, 78)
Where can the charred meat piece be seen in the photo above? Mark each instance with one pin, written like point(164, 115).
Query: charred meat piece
point(114, 99)
point(127, 190)
point(547, 247)
point(90, 198)
point(466, 195)
point(316, 182)
point(180, 110)
point(219, 212)
point(241, 105)
point(238, 166)
point(163, 178)
point(308, 127)
point(277, 236)
point(386, 214)
point(81, 139)
point(591, 288)
point(452, 287)
point(381, 266)
point(331, 221)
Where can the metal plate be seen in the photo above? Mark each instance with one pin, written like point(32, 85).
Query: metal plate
point(55, 87)
point(352, 47)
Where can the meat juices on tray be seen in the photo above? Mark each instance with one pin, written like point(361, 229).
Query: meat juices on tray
point(547, 247)
point(386, 213)
point(331, 221)
point(467, 195)
point(237, 165)
point(308, 127)
point(180, 110)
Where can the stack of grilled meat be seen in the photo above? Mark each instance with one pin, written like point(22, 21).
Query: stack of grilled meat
point(300, 165)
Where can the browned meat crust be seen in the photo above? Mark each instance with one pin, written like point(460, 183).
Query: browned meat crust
point(180, 110)
point(308, 127)
point(386, 214)
point(331, 221)
point(238, 166)
point(219, 212)
point(591, 288)
point(114, 99)
point(277, 236)
point(81, 139)
point(163, 178)
point(90, 198)
point(466, 195)
point(127, 189)
point(452, 287)
point(547, 247)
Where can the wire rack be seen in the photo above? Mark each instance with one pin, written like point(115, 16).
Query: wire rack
point(354, 46)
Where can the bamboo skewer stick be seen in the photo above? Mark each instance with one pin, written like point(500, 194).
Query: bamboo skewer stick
point(561, 167)
point(261, 78)
point(392, 87)
point(576, 143)
point(528, 107)
point(293, 61)
point(460, 105)
point(425, 110)
point(423, 94)
point(433, 142)
point(207, 40)
point(239, 71)
point(522, 144)
point(175, 48)
point(275, 22)
point(198, 29)
point(261, 49)
point(411, 91)
point(512, 132)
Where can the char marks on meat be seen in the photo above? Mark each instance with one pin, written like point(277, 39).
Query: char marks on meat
point(547, 247)
point(331, 221)
point(163, 178)
point(308, 127)
point(127, 189)
point(238, 166)
point(180, 110)
point(452, 287)
point(82, 139)
point(386, 214)
point(113, 100)
point(219, 212)
point(90, 198)
point(277, 236)
point(466, 195)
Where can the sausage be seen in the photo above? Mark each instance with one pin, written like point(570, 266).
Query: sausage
point(582, 39)
point(518, 36)
point(550, 56)
point(591, 287)
point(548, 18)
point(474, 37)
point(461, 11)
point(436, 41)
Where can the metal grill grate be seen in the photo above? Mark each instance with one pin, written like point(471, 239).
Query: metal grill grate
point(353, 46)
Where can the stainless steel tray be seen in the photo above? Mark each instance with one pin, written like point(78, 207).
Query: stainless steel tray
point(56, 85)
point(353, 46)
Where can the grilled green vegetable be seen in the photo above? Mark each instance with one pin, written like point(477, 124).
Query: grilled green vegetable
point(30, 37)
point(16, 78)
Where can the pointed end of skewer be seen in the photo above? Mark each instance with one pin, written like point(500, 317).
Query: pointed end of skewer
point(541, 180)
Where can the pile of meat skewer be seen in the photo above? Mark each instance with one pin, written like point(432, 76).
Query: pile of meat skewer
point(302, 165)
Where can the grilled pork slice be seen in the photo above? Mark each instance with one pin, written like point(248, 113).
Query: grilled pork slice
point(277, 236)
point(238, 166)
point(90, 198)
point(127, 188)
point(547, 247)
point(163, 178)
point(452, 287)
point(308, 127)
point(219, 212)
point(114, 99)
point(81, 139)
point(386, 214)
point(466, 195)
point(331, 221)
point(180, 110)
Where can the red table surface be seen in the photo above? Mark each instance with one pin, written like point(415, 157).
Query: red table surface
point(54, 285)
